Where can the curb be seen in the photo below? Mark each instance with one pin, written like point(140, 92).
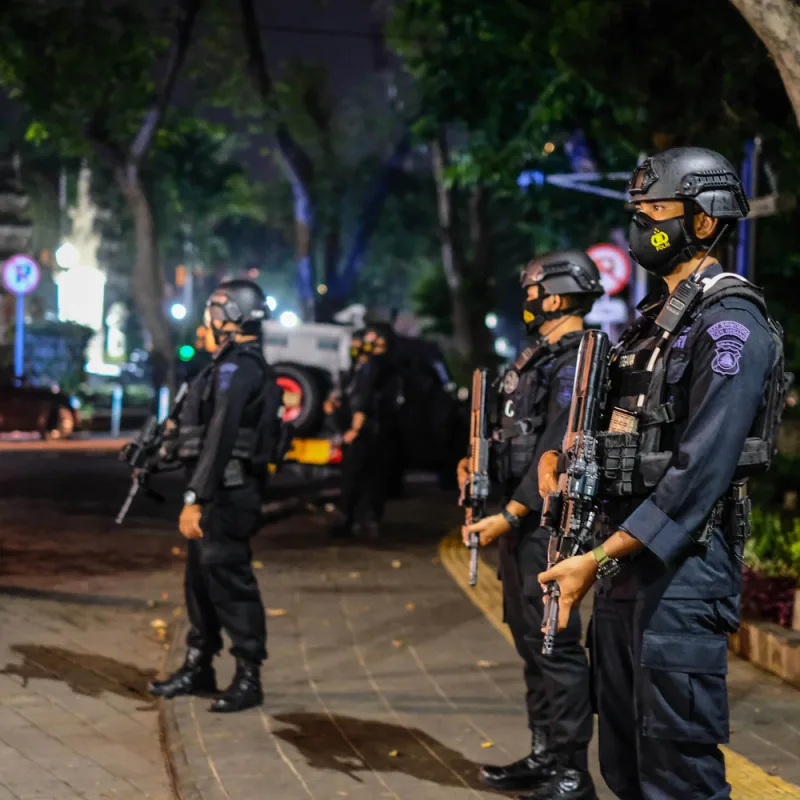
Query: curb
point(176, 762)
point(750, 782)
point(66, 445)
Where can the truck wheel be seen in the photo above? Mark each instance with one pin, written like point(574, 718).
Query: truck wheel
point(304, 392)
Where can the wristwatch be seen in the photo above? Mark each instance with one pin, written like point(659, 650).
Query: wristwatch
point(512, 519)
point(189, 498)
point(607, 567)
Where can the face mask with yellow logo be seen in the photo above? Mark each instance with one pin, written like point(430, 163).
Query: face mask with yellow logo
point(660, 245)
point(533, 313)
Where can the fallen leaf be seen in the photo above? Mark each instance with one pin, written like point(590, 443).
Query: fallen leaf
point(176, 551)
point(397, 643)
point(166, 647)
point(486, 745)
point(161, 634)
point(484, 663)
point(258, 565)
point(393, 754)
point(410, 606)
point(151, 603)
point(397, 564)
point(164, 596)
point(158, 623)
point(276, 612)
point(355, 574)
point(176, 612)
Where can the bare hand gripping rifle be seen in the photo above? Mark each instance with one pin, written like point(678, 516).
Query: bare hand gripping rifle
point(475, 491)
point(143, 453)
point(569, 513)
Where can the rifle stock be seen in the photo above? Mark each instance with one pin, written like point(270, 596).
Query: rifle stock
point(569, 514)
point(475, 491)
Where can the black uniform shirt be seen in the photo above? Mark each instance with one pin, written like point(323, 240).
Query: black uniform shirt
point(238, 380)
point(721, 364)
point(559, 374)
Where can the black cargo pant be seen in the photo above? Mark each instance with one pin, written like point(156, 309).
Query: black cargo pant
point(221, 589)
point(366, 475)
point(558, 686)
point(662, 702)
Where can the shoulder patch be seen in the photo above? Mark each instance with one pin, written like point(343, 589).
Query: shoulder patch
point(226, 375)
point(566, 380)
point(511, 381)
point(729, 328)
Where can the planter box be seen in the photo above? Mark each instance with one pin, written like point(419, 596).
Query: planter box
point(770, 647)
point(796, 614)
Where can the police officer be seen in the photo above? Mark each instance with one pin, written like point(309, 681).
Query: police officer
point(696, 390)
point(335, 403)
point(367, 455)
point(226, 437)
point(534, 406)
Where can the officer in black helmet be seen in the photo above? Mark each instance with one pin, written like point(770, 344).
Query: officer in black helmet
point(534, 403)
point(226, 437)
point(696, 392)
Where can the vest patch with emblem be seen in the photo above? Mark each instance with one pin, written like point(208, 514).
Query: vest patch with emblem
point(628, 360)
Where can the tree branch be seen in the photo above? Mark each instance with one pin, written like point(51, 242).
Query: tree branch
point(155, 114)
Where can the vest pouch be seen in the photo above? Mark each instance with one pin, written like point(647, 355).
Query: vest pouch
point(618, 461)
point(233, 477)
point(190, 442)
point(652, 467)
point(245, 444)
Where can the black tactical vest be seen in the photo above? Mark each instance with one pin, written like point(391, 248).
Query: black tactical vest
point(255, 446)
point(521, 412)
point(634, 462)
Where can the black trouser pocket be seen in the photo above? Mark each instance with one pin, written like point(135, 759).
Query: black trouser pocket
point(682, 691)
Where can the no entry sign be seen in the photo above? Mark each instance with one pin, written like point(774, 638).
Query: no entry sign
point(614, 265)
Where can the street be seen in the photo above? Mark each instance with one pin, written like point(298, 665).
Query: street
point(385, 677)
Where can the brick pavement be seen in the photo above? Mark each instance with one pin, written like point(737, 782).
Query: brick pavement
point(385, 681)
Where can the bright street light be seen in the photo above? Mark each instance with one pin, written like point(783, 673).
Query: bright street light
point(67, 256)
point(178, 311)
point(501, 346)
point(289, 319)
point(491, 321)
point(272, 303)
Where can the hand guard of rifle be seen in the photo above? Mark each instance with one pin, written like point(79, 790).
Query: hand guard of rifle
point(475, 491)
point(569, 514)
point(143, 452)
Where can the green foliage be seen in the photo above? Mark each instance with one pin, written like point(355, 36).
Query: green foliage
point(774, 547)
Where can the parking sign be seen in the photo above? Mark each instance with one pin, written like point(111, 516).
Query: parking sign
point(21, 274)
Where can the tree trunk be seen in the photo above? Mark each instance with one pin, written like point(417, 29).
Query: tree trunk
point(148, 280)
point(453, 260)
point(481, 278)
point(777, 23)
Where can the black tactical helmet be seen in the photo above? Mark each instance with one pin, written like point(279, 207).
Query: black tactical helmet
point(691, 174)
point(241, 302)
point(564, 272)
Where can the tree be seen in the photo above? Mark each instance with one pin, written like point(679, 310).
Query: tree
point(339, 163)
point(106, 105)
point(514, 82)
point(777, 23)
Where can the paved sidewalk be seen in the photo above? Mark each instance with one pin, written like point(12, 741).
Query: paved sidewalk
point(386, 681)
point(75, 719)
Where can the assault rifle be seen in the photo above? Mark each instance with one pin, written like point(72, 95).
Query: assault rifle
point(143, 452)
point(569, 513)
point(475, 491)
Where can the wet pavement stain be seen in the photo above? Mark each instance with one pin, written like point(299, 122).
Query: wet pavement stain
point(350, 745)
point(88, 674)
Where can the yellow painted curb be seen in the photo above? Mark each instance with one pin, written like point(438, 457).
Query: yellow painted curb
point(748, 780)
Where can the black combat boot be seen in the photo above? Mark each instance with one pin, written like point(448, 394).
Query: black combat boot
point(527, 773)
point(245, 689)
point(569, 779)
point(196, 676)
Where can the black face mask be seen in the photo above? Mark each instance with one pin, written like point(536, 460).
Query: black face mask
point(534, 315)
point(660, 246)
